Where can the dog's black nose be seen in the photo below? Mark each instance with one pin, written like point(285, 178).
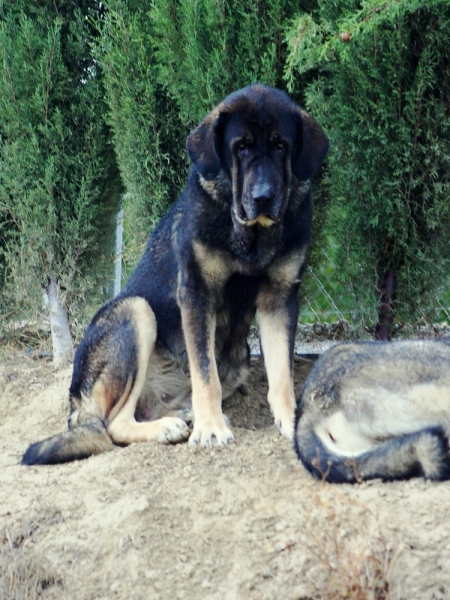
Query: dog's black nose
point(263, 192)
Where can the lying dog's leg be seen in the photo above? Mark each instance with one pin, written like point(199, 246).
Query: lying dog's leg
point(422, 453)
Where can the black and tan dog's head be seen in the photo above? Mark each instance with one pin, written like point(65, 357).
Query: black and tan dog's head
point(261, 142)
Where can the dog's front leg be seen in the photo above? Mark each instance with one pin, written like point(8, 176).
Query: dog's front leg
point(277, 320)
point(199, 323)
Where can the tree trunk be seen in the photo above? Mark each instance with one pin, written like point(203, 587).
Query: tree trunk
point(59, 324)
point(386, 314)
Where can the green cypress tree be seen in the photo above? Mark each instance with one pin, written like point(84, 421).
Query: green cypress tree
point(148, 134)
point(60, 188)
point(206, 49)
point(381, 89)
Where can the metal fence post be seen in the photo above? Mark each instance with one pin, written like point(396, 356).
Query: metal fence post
point(118, 257)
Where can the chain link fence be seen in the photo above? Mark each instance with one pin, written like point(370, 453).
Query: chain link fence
point(328, 305)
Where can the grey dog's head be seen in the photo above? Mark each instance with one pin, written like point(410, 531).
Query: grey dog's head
point(262, 142)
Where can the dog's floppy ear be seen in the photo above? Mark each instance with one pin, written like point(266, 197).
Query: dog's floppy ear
point(203, 145)
point(313, 146)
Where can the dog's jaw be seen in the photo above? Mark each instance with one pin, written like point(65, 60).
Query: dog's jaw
point(262, 220)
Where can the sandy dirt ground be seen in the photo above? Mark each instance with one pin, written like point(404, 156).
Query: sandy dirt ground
point(169, 522)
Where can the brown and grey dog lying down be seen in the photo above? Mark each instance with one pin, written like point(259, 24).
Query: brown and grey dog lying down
point(377, 410)
point(232, 247)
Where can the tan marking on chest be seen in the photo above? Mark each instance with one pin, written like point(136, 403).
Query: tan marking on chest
point(215, 265)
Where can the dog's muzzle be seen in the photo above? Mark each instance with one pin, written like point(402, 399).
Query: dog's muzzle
point(262, 198)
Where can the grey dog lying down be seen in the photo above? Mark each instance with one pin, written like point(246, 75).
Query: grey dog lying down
point(377, 410)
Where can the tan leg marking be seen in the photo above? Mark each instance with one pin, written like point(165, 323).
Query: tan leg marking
point(104, 391)
point(275, 345)
point(210, 427)
point(165, 430)
point(123, 427)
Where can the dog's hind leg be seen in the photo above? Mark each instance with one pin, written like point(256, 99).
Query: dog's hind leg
point(121, 423)
point(423, 453)
point(110, 370)
point(337, 449)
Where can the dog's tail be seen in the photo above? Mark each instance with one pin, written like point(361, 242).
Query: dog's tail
point(79, 442)
point(423, 453)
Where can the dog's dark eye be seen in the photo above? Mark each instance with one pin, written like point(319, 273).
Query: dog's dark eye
point(242, 149)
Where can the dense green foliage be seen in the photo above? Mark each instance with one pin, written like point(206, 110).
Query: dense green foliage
point(147, 131)
point(382, 92)
point(205, 49)
point(59, 184)
point(88, 90)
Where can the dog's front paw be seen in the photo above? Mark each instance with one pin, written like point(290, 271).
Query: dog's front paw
point(282, 408)
point(211, 433)
point(172, 430)
point(286, 427)
point(284, 420)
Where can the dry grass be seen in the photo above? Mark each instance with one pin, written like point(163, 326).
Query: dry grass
point(25, 574)
point(27, 338)
point(347, 555)
point(350, 569)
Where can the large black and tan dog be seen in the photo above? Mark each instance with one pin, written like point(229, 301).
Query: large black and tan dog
point(232, 246)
